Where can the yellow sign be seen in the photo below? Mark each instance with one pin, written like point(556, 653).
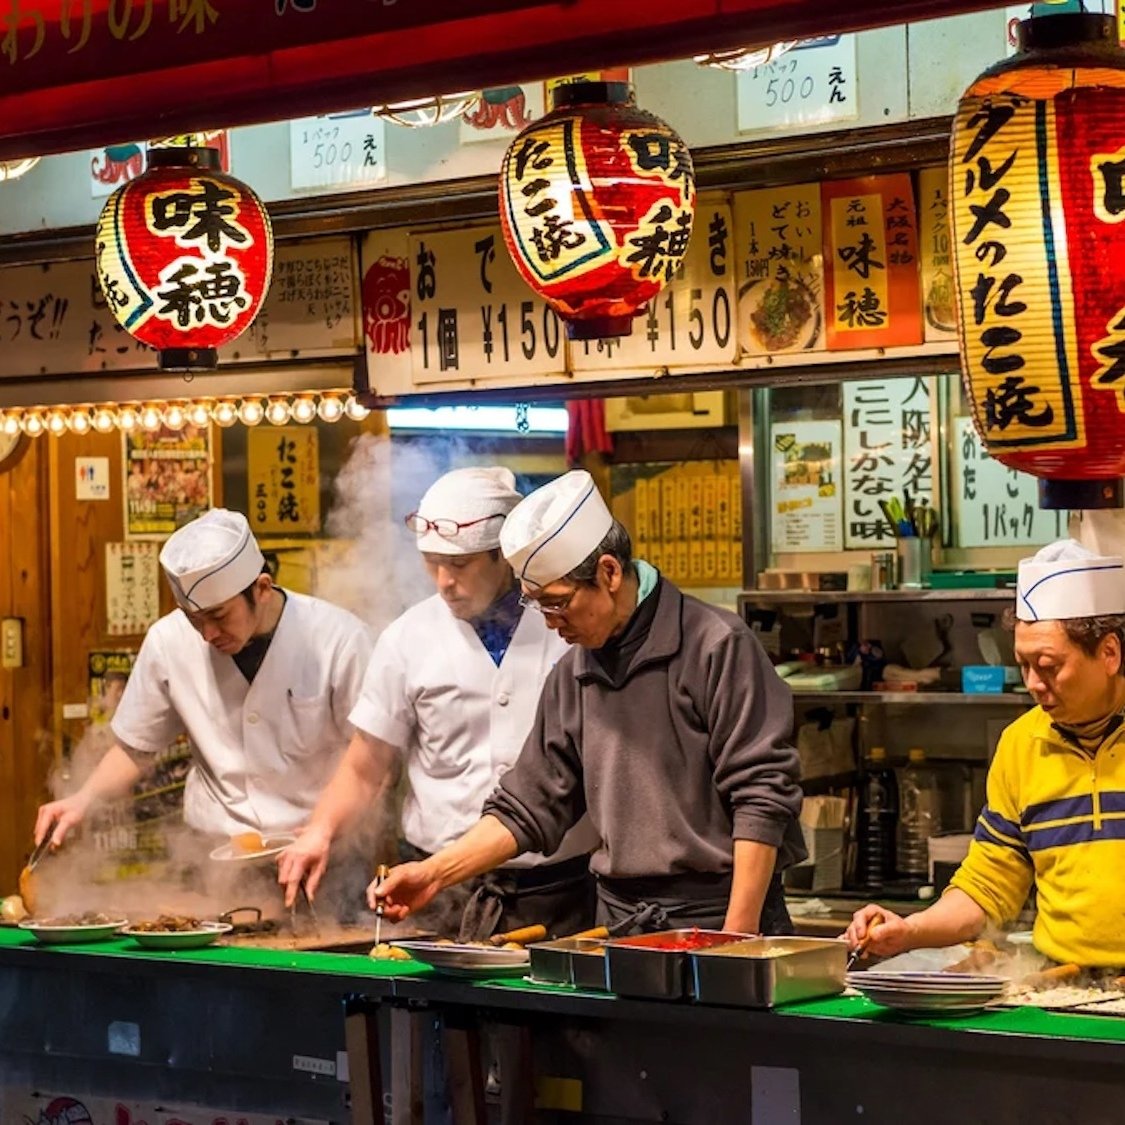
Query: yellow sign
point(937, 262)
point(283, 467)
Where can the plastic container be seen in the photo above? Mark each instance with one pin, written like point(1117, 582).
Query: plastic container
point(877, 820)
point(919, 817)
point(982, 678)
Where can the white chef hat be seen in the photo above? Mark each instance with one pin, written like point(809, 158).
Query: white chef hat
point(211, 559)
point(551, 531)
point(480, 497)
point(1066, 580)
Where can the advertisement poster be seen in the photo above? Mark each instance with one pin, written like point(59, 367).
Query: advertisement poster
point(871, 262)
point(283, 466)
point(804, 486)
point(132, 587)
point(167, 480)
point(937, 259)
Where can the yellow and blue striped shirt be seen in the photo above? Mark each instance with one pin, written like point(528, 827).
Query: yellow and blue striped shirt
point(1055, 817)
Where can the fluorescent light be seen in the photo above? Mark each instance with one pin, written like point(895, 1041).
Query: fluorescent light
point(497, 419)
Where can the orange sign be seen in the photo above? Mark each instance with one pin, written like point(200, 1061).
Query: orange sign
point(873, 294)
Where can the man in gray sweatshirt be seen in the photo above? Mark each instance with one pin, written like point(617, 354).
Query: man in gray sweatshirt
point(664, 721)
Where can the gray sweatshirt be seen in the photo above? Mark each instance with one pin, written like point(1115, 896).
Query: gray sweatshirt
point(689, 754)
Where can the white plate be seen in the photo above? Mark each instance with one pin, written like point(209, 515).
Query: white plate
point(941, 981)
point(226, 853)
point(467, 960)
point(69, 935)
point(926, 1005)
point(750, 300)
point(179, 939)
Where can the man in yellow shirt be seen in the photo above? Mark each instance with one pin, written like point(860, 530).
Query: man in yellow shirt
point(1055, 811)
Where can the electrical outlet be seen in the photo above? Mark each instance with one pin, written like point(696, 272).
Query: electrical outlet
point(11, 642)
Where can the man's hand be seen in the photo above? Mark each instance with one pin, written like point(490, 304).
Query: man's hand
point(60, 818)
point(884, 937)
point(305, 860)
point(407, 888)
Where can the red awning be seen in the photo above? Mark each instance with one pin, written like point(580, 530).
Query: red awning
point(85, 74)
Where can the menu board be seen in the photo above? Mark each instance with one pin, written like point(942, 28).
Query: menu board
point(805, 494)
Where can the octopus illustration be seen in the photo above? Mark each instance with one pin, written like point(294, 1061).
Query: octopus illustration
point(502, 106)
point(386, 305)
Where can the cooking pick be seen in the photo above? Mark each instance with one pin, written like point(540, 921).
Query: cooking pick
point(861, 948)
point(381, 872)
point(26, 883)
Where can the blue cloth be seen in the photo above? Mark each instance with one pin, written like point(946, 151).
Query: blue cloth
point(497, 625)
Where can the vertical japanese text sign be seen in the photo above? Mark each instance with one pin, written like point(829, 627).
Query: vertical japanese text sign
point(871, 262)
point(473, 316)
point(283, 465)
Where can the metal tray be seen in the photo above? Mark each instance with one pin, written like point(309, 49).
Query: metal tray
point(655, 965)
point(580, 962)
point(767, 971)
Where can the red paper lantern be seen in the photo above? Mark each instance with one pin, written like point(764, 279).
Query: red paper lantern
point(1037, 183)
point(184, 256)
point(596, 203)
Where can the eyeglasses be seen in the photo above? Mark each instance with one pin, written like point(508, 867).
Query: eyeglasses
point(447, 529)
point(548, 609)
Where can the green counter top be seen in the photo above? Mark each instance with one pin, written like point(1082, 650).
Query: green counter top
point(419, 979)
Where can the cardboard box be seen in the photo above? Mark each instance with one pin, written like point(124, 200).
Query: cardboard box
point(982, 678)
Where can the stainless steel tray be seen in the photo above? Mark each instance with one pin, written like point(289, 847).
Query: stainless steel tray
point(580, 962)
point(767, 971)
point(656, 965)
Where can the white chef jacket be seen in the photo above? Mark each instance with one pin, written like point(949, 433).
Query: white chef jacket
point(262, 751)
point(433, 692)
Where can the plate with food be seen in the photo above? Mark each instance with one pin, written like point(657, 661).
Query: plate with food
point(468, 959)
point(176, 931)
point(252, 847)
point(781, 315)
point(68, 929)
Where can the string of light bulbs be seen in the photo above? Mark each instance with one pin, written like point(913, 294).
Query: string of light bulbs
point(175, 414)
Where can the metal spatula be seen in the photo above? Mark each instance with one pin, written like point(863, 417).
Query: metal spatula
point(861, 949)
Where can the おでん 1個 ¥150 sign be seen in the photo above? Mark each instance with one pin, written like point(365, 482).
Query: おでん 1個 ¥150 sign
point(184, 255)
point(1038, 223)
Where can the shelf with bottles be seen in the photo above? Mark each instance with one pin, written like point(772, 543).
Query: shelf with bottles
point(827, 597)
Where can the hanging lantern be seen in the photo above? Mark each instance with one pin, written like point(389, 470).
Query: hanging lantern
point(184, 256)
point(1037, 181)
point(596, 204)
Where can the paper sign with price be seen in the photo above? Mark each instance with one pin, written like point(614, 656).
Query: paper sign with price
point(473, 316)
point(339, 150)
point(692, 322)
point(814, 83)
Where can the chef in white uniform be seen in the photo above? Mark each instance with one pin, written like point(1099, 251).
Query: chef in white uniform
point(261, 680)
point(451, 692)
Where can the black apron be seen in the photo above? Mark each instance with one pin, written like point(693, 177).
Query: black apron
point(560, 896)
point(673, 902)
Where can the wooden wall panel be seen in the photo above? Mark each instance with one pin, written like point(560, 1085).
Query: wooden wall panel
point(25, 713)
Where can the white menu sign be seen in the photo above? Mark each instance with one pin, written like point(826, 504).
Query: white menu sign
point(337, 150)
point(132, 587)
point(689, 323)
point(805, 486)
point(814, 83)
point(890, 450)
point(997, 506)
point(473, 316)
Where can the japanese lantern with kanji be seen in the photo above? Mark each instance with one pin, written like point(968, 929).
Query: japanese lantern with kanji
point(596, 203)
point(184, 255)
point(1037, 172)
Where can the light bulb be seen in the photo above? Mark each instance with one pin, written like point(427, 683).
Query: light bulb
point(277, 413)
point(331, 409)
point(32, 423)
point(11, 425)
point(199, 414)
point(225, 413)
point(175, 416)
point(79, 421)
point(355, 409)
point(304, 410)
point(104, 420)
point(251, 411)
point(128, 419)
point(56, 422)
point(151, 419)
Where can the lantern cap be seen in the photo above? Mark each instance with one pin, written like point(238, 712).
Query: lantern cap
point(203, 157)
point(1066, 29)
point(1057, 493)
point(599, 327)
point(591, 93)
point(188, 359)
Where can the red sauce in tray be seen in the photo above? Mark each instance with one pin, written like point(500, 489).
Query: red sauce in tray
point(697, 939)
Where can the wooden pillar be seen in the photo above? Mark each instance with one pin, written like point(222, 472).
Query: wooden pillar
point(365, 1074)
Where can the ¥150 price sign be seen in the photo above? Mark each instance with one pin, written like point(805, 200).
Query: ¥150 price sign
point(812, 84)
point(692, 322)
point(473, 316)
